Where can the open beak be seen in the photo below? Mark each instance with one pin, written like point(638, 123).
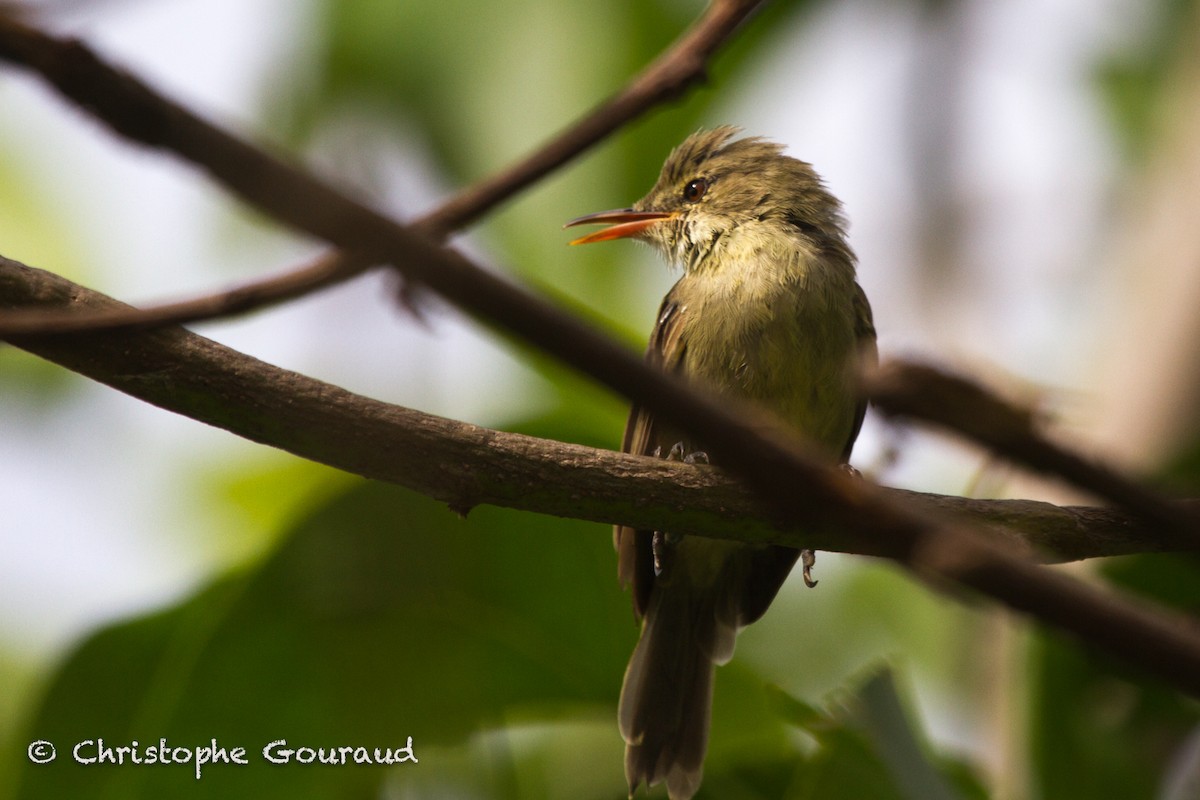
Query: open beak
point(627, 223)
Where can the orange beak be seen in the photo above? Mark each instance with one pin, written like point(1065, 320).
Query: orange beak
point(627, 223)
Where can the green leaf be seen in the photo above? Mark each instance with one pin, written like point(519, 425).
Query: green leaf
point(1135, 83)
point(1100, 729)
point(897, 744)
point(867, 747)
point(381, 616)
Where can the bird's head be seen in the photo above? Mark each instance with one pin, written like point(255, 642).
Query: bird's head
point(717, 193)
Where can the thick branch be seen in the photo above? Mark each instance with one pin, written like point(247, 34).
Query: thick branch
point(796, 488)
point(466, 465)
point(667, 77)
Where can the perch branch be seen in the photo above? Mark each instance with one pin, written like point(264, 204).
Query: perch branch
point(465, 465)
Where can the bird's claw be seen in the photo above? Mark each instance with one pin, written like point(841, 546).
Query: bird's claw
point(660, 545)
point(662, 542)
point(807, 559)
point(679, 452)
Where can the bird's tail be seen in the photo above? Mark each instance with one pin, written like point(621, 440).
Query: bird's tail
point(666, 700)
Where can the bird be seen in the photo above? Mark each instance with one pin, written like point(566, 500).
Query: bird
point(768, 310)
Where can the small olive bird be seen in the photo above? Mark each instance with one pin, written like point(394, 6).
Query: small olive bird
point(767, 310)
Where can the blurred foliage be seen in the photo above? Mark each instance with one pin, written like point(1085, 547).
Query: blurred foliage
point(1099, 730)
point(30, 225)
point(379, 52)
point(498, 642)
point(252, 507)
point(1133, 84)
point(382, 616)
point(1182, 475)
point(31, 382)
point(434, 67)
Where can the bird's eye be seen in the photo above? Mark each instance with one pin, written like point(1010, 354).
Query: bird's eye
point(695, 190)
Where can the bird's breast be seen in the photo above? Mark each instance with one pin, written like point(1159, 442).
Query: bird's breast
point(785, 341)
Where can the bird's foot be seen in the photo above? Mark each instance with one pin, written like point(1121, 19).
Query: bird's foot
point(807, 559)
point(663, 542)
point(661, 545)
point(679, 452)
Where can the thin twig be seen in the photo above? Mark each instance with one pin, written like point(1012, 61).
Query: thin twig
point(328, 269)
point(797, 488)
point(668, 76)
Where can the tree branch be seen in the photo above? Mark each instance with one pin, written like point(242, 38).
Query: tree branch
point(676, 69)
point(666, 78)
point(465, 465)
point(328, 269)
point(797, 488)
point(923, 393)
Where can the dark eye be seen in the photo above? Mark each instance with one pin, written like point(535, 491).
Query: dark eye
point(695, 190)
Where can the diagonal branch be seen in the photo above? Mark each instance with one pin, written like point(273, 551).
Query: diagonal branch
point(669, 76)
point(675, 70)
point(923, 393)
point(465, 465)
point(795, 487)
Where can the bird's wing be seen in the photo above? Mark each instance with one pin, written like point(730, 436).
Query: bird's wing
point(643, 436)
point(668, 345)
point(769, 566)
point(868, 357)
